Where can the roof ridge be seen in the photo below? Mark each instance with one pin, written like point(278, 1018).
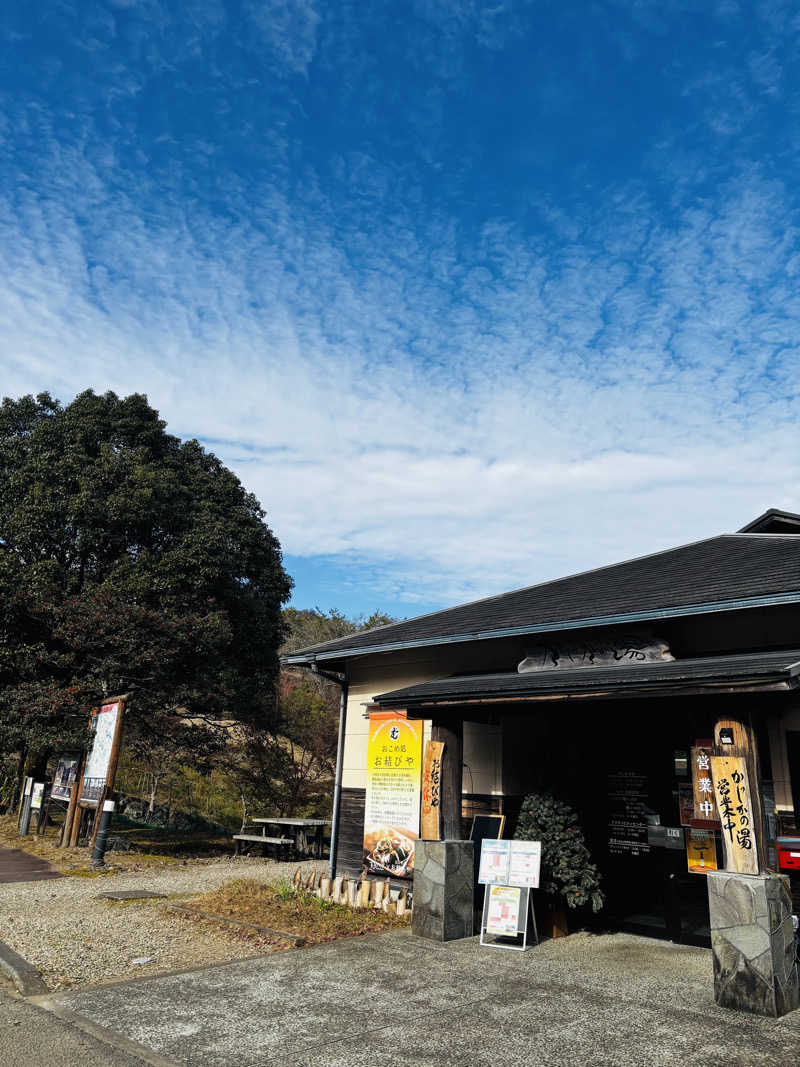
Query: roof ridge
point(520, 589)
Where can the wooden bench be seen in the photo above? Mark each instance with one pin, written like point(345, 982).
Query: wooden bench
point(262, 839)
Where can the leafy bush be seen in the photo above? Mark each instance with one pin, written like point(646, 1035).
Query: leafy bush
point(567, 870)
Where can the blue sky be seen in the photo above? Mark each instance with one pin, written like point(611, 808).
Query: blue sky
point(470, 295)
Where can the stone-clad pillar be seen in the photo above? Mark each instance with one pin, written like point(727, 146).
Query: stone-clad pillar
point(443, 890)
point(753, 943)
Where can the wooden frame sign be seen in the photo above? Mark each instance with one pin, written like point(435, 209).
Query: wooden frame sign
point(101, 761)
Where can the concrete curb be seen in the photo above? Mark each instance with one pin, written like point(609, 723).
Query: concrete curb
point(109, 1037)
point(23, 974)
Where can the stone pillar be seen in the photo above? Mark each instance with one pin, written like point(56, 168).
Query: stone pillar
point(443, 890)
point(753, 943)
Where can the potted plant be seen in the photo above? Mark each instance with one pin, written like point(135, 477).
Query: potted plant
point(567, 875)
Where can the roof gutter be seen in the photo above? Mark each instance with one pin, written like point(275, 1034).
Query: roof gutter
point(570, 624)
point(686, 688)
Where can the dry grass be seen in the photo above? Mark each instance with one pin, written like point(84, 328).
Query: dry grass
point(150, 849)
point(279, 907)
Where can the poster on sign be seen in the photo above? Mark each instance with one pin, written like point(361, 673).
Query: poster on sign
point(64, 778)
point(494, 865)
point(525, 863)
point(701, 851)
point(502, 912)
point(392, 803)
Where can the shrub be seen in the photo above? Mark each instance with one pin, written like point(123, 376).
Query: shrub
point(567, 870)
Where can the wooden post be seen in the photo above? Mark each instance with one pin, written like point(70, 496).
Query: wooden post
point(732, 737)
point(451, 734)
point(72, 807)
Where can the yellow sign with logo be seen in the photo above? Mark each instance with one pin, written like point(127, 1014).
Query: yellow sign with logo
point(701, 851)
point(392, 805)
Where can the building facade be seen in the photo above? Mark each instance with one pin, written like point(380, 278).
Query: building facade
point(598, 687)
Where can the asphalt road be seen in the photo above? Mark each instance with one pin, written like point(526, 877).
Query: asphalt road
point(33, 1037)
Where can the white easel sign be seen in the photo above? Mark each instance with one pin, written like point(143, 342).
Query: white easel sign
point(509, 870)
point(525, 864)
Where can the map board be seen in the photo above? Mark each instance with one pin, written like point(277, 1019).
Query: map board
point(105, 722)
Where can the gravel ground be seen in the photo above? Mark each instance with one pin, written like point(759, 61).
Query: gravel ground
point(75, 939)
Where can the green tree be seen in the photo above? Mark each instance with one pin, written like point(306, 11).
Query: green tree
point(129, 560)
point(567, 870)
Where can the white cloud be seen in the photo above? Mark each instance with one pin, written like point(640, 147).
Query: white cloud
point(455, 413)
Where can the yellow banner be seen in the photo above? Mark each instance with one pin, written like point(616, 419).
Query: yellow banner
point(392, 806)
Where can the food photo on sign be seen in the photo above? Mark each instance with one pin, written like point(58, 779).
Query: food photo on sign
point(392, 802)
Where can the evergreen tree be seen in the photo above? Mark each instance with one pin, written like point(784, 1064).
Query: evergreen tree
point(567, 870)
point(129, 560)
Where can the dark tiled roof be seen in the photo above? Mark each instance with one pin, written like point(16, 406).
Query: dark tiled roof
point(758, 668)
point(732, 570)
point(774, 521)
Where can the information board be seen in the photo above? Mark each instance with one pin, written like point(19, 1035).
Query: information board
point(502, 909)
point(64, 778)
point(495, 862)
point(95, 774)
point(525, 863)
point(627, 815)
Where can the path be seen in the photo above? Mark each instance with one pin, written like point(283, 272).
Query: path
point(609, 999)
point(19, 866)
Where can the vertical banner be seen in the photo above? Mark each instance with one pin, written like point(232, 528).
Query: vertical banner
point(705, 812)
point(432, 791)
point(732, 791)
point(392, 806)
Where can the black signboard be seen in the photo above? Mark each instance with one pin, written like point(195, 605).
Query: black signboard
point(627, 814)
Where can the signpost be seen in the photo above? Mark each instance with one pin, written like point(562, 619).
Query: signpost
point(509, 870)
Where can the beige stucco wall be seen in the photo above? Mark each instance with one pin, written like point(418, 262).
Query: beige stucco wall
point(482, 743)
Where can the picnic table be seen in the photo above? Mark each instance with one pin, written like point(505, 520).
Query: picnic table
point(299, 828)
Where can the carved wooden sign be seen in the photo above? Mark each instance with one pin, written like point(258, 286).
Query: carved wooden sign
point(732, 791)
point(704, 804)
point(432, 791)
point(600, 651)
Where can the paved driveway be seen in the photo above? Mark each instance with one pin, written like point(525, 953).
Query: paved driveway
point(19, 866)
point(395, 999)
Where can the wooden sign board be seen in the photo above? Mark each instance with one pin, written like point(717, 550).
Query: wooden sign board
point(101, 762)
point(734, 803)
point(705, 808)
point(431, 822)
